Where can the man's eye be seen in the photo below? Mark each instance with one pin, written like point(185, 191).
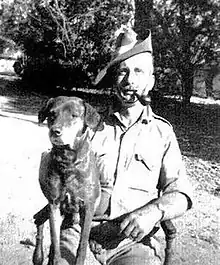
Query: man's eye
point(138, 70)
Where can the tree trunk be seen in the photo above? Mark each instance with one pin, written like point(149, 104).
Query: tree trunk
point(187, 81)
point(209, 78)
point(143, 17)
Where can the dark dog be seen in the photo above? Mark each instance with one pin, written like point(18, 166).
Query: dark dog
point(68, 174)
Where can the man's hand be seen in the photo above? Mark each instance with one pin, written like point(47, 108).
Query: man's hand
point(134, 225)
point(139, 223)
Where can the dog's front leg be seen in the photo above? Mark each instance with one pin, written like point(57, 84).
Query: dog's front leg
point(55, 223)
point(87, 212)
point(38, 255)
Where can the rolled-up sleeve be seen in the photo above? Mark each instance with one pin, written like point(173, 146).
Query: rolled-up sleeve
point(173, 175)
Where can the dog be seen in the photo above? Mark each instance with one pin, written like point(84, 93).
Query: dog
point(68, 175)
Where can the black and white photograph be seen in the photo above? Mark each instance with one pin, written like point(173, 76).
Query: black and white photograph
point(110, 132)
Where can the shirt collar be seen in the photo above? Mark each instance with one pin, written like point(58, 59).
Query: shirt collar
point(145, 117)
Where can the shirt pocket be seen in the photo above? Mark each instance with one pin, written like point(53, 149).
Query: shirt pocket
point(147, 163)
point(151, 161)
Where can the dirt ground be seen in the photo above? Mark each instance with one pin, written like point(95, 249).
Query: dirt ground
point(21, 144)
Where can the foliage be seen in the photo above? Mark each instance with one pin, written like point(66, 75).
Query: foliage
point(79, 35)
point(12, 14)
point(185, 35)
point(72, 35)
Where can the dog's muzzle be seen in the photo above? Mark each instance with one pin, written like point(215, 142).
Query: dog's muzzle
point(55, 132)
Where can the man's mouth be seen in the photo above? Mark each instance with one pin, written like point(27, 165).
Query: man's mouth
point(128, 95)
point(128, 91)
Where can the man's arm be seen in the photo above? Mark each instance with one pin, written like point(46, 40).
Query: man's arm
point(175, 199)
point(140, 222)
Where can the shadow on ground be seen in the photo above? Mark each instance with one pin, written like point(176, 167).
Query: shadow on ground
point(197, 128)
point(15, 98)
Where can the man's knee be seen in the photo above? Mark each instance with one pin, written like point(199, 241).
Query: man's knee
point(69, 240)
point(137, 254)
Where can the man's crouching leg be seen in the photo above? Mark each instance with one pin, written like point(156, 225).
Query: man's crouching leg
point(69, 240)
point(125, 253)
point(136, 253)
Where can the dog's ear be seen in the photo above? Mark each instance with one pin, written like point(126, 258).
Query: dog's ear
point(92, 118)
point(44, 111)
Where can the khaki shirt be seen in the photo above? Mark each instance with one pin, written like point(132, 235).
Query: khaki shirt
point(137, 161)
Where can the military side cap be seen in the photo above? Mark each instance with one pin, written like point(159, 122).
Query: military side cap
point(127, 45)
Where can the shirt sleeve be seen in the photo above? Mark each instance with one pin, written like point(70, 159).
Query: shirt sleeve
point(173, 175)
point(106, 175)
point(103, 161)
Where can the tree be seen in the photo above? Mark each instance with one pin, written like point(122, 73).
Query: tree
point(185, 34)
point(143, 17)
point(76, 35)
point(12, 14)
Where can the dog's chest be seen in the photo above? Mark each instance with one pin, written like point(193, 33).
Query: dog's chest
point(70, 174)
point(63, 168)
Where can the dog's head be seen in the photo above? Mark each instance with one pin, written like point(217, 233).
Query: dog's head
point(68, 118)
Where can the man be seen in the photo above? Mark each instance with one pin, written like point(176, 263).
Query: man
point(139, 158)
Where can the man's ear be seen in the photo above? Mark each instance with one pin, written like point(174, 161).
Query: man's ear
point(149, 87)
point(151, 82)
point(92, 118)
point(44, 111)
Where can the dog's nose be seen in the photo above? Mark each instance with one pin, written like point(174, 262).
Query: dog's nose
point(56, 131)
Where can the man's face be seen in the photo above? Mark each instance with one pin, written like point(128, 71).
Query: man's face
point(134, 75)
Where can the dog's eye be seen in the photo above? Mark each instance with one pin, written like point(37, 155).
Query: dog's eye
point(51, 117)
